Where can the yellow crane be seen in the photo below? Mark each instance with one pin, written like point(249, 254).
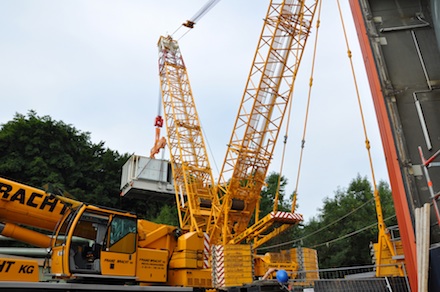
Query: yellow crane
point(94, 244)
point(224, 209)
point(86, 242)
point(265, 100)
point(193, 179)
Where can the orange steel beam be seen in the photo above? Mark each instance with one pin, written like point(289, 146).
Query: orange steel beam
point(394, 172)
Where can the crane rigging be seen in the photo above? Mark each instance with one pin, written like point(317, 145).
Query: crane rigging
point(193, 179)
point(268, 91)
point(205, 9)
point(224, 209)
point(160, 142)
point(269, 88)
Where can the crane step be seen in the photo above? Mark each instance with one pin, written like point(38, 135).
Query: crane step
point(286, 217)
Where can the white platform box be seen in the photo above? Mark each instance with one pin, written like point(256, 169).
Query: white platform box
point(145, 177)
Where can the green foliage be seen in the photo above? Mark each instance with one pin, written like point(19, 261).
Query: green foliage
point(32, 148)
point(38, 150)
point(167, 215)
point(334, 232)
point(267, 199)
point(268, 194)
point(344, 227)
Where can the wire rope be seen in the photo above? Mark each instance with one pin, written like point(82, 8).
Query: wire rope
point(292, 209)
point(327, 242)
point(384, 238)
point(380, 221)
point(350, 234)
point(320, 229)
point(303, 140)
point(193, 20)
point(364, 127)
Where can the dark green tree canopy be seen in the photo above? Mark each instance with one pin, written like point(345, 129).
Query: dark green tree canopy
point(38, 150)
point(269, 191)
point(340, 231)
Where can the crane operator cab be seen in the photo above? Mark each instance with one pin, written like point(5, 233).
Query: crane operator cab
point(93, 242)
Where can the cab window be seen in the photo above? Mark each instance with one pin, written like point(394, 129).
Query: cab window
point(122, 235)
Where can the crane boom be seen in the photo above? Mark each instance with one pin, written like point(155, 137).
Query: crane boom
point(193, 179)
point(18, 199)
point(268, 91)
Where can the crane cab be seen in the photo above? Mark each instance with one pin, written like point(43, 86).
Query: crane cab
point(92, 242)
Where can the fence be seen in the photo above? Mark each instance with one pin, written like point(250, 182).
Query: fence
point(360, 278)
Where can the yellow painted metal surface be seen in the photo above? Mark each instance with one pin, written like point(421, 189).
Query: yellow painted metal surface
point(190, 241)
point(18, 270)
point(238, 265)
point(59, 265)
point(190, 278)
point(390, 265)
point(186, 259)
point(152, 265)
point(26, 235)
point(307, 260)
point(153, 235)
point(261, 112)
point(118, 264)
point(189, 252)
point(125, 244)
point(300, 263)
point(192, 174)
point(273, 261)
point(22, 204)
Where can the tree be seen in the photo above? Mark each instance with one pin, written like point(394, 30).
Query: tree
point(167, 215)
point(334, 232)
point(268, 194)
point(38, 150)
point(267, 199)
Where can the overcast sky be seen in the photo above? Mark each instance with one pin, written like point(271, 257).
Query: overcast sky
point(93, 64)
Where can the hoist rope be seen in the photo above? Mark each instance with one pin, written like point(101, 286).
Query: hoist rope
point(376, 198)
point(367, 141)
point(283, 153)
point(289, 113)
point(295, 192)
point(193, 20)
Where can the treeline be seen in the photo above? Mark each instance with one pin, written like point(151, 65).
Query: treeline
point(39, 150)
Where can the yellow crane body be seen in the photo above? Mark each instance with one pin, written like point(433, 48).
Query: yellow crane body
point(192, 172)
point(224, 209)
point(87, 242)
point(95, 243)
point(21, 204)
point(268, 91)
point(19, 270)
